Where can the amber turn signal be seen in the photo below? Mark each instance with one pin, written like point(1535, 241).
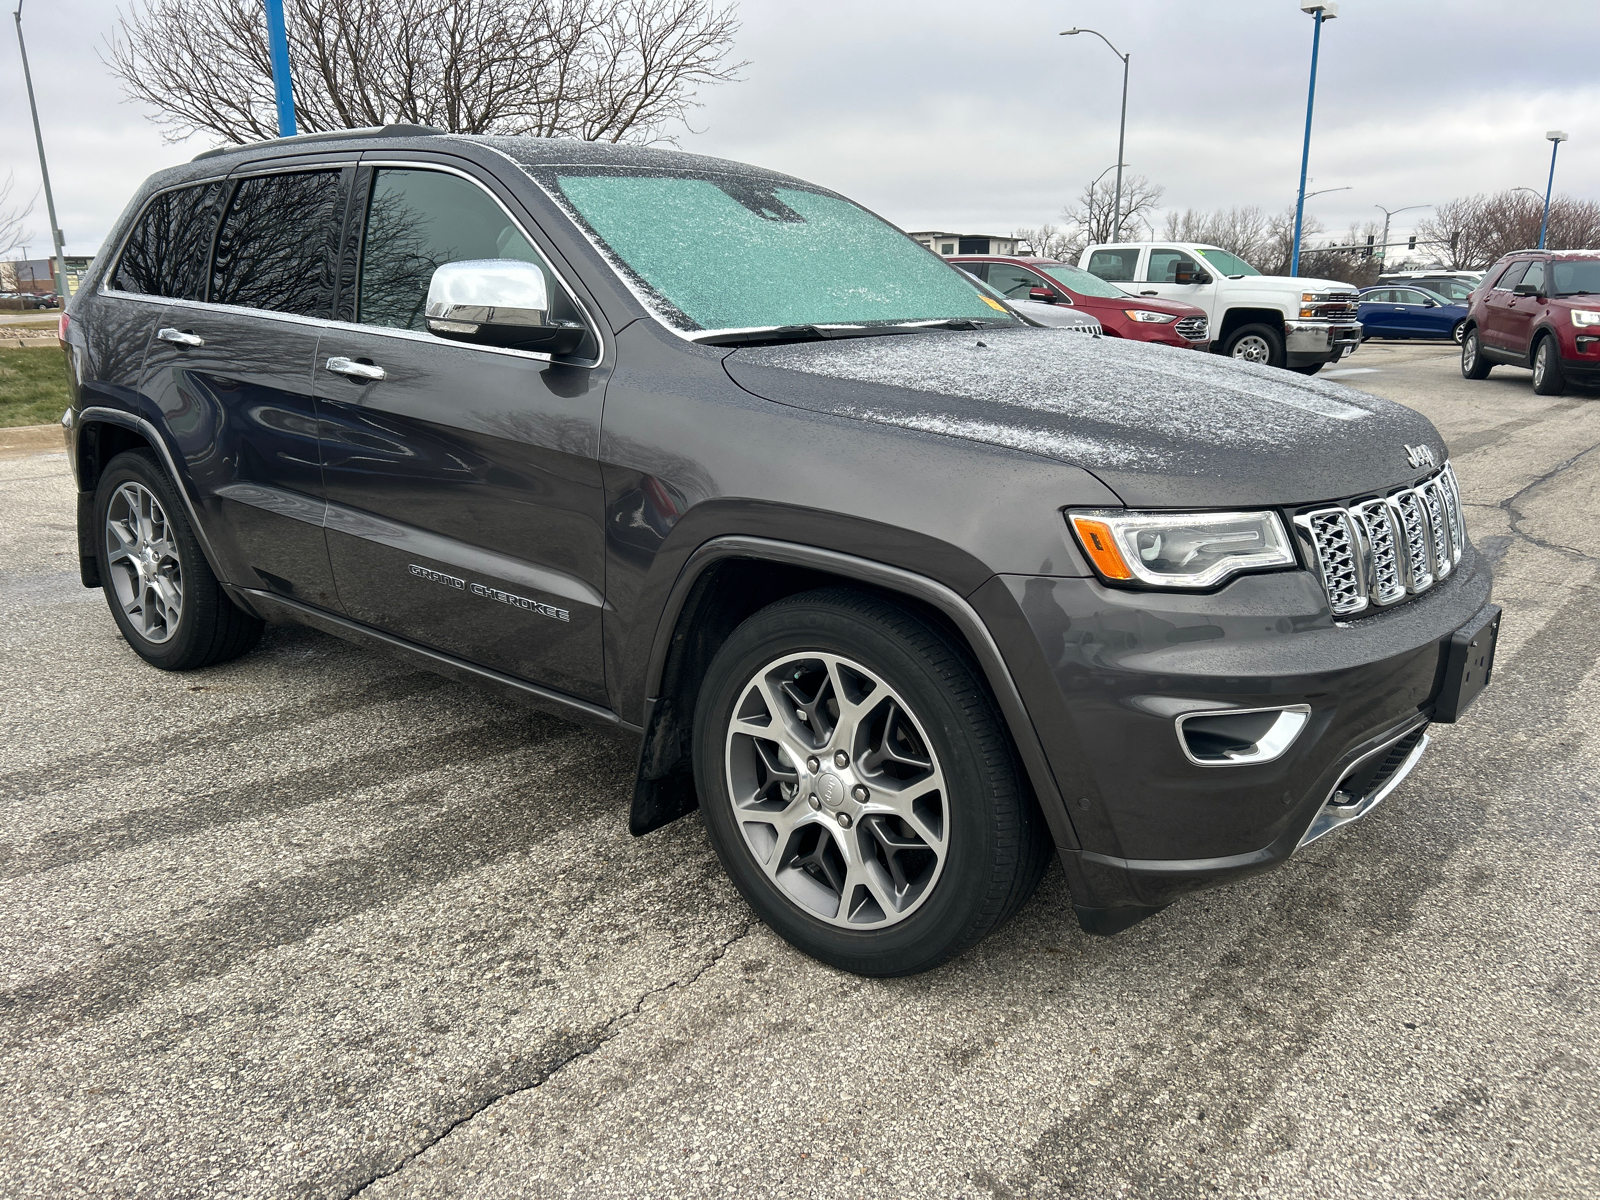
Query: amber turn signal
point(1101, 547)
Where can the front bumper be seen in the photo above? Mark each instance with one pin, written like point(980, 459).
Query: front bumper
point(1105, 673)
point(1306, 342)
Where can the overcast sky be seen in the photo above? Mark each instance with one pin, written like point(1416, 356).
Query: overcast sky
point(979, 118)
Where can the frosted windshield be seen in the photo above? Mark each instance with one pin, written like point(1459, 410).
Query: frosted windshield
point(1228, 264)
point(740, 253)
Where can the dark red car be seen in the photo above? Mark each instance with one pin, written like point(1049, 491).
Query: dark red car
point(1139, 318)
point(1539, 309)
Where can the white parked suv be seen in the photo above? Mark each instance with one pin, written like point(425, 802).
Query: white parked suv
point(1282, 321)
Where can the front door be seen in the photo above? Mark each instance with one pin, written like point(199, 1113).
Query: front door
point(232, 377)
point(1172, 274)
point(465, 502)
point(1500, 307)
point(1522, 311)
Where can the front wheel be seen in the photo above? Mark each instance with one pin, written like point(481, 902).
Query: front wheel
point(859, 785)
point(1256, 344)
point(1547, 377)
point(1473, 364)
point(162, 594)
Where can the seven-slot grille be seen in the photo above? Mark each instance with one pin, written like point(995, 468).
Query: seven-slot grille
point(1376, 552)
point(1193, 328)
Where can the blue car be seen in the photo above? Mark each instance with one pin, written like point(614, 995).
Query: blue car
point(1389, 311)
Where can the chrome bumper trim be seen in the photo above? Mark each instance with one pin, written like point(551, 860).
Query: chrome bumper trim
point(1332, 816)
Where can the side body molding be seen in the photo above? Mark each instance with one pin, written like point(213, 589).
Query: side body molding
point(655, 801)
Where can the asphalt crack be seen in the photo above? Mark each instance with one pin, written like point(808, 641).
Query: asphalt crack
point(601, 1036)
point(1509, 504)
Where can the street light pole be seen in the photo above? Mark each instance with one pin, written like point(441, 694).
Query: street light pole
point(1320, 10)
point(282, 85)
point(1122, 128)
point(44, 170)
point(1383, 252)
point(1556, 137)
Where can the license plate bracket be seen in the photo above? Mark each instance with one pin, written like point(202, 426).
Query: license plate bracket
point(1468, 665)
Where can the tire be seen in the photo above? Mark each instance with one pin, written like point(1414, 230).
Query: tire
point(1312, 369)
point(1547, 377)
point(844, 877)
point(1256, 343)
point(1458, 332)
point(160, 588)
point(1473, 364)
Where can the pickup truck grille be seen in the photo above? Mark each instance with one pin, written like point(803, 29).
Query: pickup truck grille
point(1193, 328)
point(1331, 306)
point(1375, 552)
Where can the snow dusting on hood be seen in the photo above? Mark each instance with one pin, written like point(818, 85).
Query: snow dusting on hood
point(1161, 426)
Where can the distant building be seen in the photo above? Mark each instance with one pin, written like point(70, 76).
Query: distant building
point(965, 243)
point(39, 274)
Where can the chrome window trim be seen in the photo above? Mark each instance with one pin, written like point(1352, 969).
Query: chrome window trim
point(596, 327)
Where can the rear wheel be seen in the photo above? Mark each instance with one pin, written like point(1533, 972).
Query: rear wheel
point(1473, 364)
point(859, 786)
point(162, 594)
point(1458, 332)
point(1547, 377)
point(1257, 344)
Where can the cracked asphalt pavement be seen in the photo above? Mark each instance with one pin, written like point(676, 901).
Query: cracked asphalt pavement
point(317, 924)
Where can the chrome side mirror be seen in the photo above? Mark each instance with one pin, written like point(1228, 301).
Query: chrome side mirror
point(498, 302)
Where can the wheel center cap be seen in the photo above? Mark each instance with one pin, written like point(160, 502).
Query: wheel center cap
point(831, 789)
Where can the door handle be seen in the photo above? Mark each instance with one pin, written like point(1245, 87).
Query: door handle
point(179, 338)
point(352, 369)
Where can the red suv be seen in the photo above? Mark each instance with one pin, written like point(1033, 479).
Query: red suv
point(1140, 318)
point(1539, 309)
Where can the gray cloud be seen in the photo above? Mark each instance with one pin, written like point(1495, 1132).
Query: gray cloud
point(937, 113)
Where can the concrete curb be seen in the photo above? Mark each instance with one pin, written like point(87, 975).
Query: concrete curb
point(22, 440)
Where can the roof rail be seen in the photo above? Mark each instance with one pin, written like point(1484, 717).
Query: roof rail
point(334, 135)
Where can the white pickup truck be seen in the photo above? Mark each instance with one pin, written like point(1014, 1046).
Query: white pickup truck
point(1285, 322)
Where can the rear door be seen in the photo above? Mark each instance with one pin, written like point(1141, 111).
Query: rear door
point(466, 511)
point(232, 376)
point(1376, 312)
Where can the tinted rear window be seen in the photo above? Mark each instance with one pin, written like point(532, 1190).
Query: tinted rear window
point(276, 249)
point(166, 253)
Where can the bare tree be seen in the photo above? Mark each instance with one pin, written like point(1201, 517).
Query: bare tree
point(1093, 217)
point(1474, 231)
point(600, 70)
point(13, 233)
point(1244, 230)
point(1047, 241)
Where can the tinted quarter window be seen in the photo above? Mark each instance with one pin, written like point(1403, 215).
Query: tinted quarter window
point(416, 222)
point(1113, 264)
point(166, 253)
point(276, 249)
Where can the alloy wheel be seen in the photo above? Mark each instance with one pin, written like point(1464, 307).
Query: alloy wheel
point(145, 570)
point(1469, 352)
point(836, 790)
point(1252, 348)
point(1541, 363)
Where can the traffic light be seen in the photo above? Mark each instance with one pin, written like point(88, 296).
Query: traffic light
point(1412, 244)
point(1367, 253)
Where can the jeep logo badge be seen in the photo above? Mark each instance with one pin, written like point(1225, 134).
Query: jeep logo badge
point(1419, 456)
point(832, 789)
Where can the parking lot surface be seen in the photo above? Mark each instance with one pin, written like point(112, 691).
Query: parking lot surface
point(316, 923)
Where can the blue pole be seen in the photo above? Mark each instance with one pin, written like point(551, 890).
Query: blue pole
point(1555, 145)
point(1305, 152)
point(282, 86)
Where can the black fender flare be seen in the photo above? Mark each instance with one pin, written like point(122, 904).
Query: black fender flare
point(651, 809)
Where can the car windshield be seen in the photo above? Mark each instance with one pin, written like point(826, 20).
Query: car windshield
point(1080, 281)
point(1228, 264)
point(721, 252)
point(1575, 277)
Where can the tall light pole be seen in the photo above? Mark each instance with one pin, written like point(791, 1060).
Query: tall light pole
point(1320, 10)
point(1556, 137)
point(44, 170)
point(1383, 251)
point(1122, 129)
point(282, 85)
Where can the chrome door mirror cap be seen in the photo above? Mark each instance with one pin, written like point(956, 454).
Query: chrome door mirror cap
point(498, 302)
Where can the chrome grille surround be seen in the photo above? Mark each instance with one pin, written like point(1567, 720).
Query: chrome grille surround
point(1193, 328)
point(1375, 552)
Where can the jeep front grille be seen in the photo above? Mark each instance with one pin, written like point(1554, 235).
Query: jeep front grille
point(1193, 328)
point(1374, 552)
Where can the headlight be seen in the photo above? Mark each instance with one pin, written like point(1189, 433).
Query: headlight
point(1180, 550)
point(1148, 314)
point(1585, 316)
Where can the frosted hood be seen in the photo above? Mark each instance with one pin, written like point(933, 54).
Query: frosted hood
point(1160, 426)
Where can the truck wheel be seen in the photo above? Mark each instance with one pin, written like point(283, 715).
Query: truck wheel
point(859, 785)
point(1547, 377)
point(160, 588)
point(1473, 364)
point(1256, 343)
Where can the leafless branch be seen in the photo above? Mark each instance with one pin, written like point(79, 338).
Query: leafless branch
point(13, 233)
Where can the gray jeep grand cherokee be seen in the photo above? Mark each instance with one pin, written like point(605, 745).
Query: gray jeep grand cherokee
point(900, 590)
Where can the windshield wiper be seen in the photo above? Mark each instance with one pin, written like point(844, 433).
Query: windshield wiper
point(821, 333)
